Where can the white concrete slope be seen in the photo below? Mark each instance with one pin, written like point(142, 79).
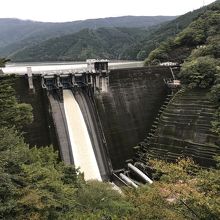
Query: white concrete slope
point(82, 149)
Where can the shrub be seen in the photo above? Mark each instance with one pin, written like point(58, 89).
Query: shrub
point(200, 72)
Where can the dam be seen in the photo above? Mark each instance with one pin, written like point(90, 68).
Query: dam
point(123, 112)
point(80, 138)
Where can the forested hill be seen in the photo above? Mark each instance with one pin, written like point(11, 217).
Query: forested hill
point(202, 37)
point(130, 38)
point(158, 34)
point(197, 49)
point(16, 34)
point(110, 43)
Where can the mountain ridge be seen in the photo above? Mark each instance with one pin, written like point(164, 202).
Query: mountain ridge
point(16, 34)
point(200, 33)
point(136, 48)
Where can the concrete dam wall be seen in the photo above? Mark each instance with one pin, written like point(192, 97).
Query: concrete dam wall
point(184, 129)
point(129, 108)
point(42, 129)
point(125, 114)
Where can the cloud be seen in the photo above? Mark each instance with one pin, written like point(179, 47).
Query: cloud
point(69, 10)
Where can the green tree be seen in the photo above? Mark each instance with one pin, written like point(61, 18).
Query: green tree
point(201, 35)
point(215, 93)
point(200, 72)
point(3, 61)
point(34, 185)
point(100, 198)
point(195, 191)
point(151, 202)
point(12, 113)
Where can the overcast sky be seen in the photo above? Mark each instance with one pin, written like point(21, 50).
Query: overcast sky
point(70, 10)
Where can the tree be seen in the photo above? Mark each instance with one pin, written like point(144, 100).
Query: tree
point(150, 203)
point(97, 197)
point(3, 61)
point(33, 182)
point(12, 113)
point(200, 72)
point(215, 90)
point(195, 191)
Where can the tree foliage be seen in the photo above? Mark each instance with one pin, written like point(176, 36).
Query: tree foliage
point(12, 113)
point(204, 30)
point(200, 72)
point(110, 43)
point(35, 185)
point(34, 180)
point(191, 192)
point(3, 61)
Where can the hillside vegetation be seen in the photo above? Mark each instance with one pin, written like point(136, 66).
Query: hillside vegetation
point(198, 48)
point(160, 33)
point(17, 34)
point(202, 34)
point(107, 43)
point(130, 42)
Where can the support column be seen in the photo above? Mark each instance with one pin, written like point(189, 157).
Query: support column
point(30, 78)
point(104, 81)
point(97, 81)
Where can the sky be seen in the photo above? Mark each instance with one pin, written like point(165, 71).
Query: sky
point(71, 10)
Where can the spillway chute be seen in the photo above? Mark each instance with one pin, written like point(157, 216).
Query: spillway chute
point(82, 149)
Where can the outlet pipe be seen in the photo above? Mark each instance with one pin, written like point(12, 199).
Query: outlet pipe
point(128, 180)
point(140, 173)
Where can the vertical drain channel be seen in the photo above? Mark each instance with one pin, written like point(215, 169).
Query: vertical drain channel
point(82, 149)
